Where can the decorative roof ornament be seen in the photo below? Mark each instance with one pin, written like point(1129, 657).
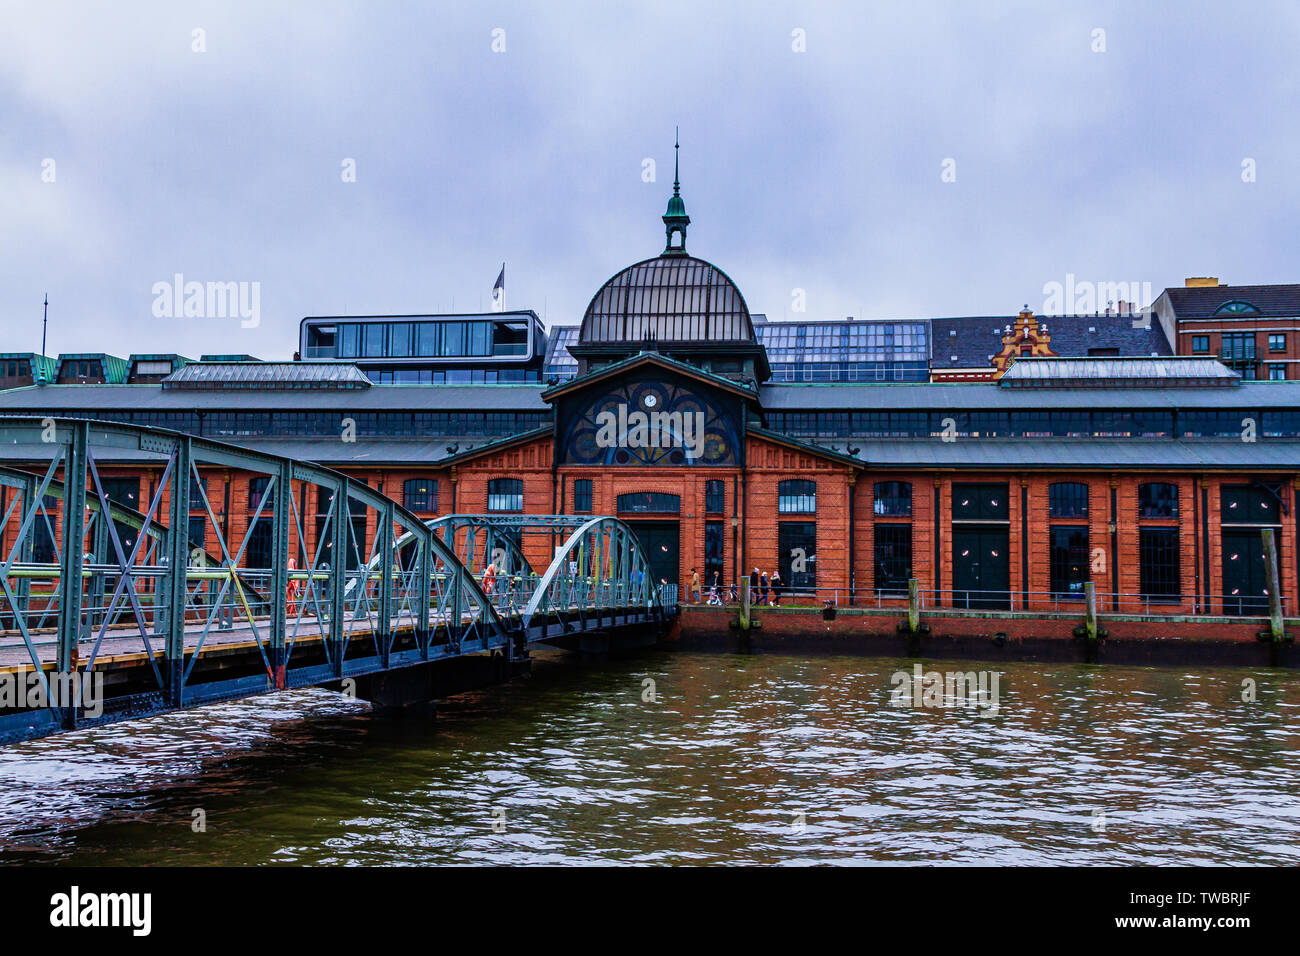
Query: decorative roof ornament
point(675, 218)
point(1026, 338)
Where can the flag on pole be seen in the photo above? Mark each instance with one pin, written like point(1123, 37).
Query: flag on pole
point(499, 291)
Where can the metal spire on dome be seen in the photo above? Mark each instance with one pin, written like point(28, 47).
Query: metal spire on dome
point(677, 152)
point(675, 218)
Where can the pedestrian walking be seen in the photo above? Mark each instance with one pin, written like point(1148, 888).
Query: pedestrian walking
point(776, 588)
point(696, 596)
point(762, 588)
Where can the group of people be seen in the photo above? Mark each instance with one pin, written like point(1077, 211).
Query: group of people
point(763, 588)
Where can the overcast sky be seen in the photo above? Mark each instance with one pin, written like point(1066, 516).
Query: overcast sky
point(821, 169)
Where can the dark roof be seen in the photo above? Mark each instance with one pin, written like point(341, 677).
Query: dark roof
point(324, 451)
point(467, 450)
point(989, 395)
point(1004, 453)
point(528, 398)
point(979, 337)
point(1201, 302)
point(996, 454)
point(379, 398)
point(815, 448)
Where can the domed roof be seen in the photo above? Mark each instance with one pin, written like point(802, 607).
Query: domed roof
point(670, 298)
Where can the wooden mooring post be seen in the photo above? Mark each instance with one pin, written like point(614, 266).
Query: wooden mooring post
point(913, 605)
point(1276, 626)
point(1090, 609)
point(913, 626)
point(1090, 630)
point(745, 620)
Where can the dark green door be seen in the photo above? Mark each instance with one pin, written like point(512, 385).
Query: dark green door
point(659, 539)
point(981, 573)
point(1245, 587)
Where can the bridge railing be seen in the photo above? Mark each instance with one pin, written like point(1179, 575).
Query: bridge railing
point(600, 570)
point(313, 591)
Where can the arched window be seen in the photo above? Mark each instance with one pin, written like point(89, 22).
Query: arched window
point(796, 496)
point(1067, 499)
point(505, 494)
point(420, 494)
point(1157, 499)
point(894, 499)
point(1236, 307)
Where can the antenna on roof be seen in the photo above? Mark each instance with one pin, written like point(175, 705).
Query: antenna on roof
point(45, 321)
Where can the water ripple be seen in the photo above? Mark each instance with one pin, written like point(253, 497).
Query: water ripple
point(763, 759)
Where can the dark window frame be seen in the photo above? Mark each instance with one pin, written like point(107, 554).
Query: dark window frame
point(649, 502)
point(715, 496)
point(505, 495)
point(1061, 583)
point(1067, 499)
point(796, 496)
point(892, 499)
point(1159, 564)
point(1154, 501)
point(417, 498)
point(892, 550)
point(583, 495)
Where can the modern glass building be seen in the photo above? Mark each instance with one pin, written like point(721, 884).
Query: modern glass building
point(848, 351)
point(430, 349)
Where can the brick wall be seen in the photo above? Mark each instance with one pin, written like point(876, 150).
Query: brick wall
point(750, 498)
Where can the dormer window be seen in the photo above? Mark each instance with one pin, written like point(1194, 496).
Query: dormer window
point(1237, 307)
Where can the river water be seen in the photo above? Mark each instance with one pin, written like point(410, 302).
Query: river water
point(722, 759)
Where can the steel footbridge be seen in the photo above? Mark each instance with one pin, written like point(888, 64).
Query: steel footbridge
point(109, 612)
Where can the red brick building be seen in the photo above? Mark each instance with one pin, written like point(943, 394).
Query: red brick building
point(1253, 329)
point(1150, 476)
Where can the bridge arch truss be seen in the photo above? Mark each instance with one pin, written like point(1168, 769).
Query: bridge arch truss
point(313, 578)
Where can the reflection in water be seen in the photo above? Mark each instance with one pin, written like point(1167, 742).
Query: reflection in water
point(759, 759)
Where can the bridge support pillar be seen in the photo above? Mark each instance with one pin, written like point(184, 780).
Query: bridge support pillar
point(612, 642)
point(414, 691)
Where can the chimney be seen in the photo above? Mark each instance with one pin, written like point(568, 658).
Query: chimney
point(1200, 282)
